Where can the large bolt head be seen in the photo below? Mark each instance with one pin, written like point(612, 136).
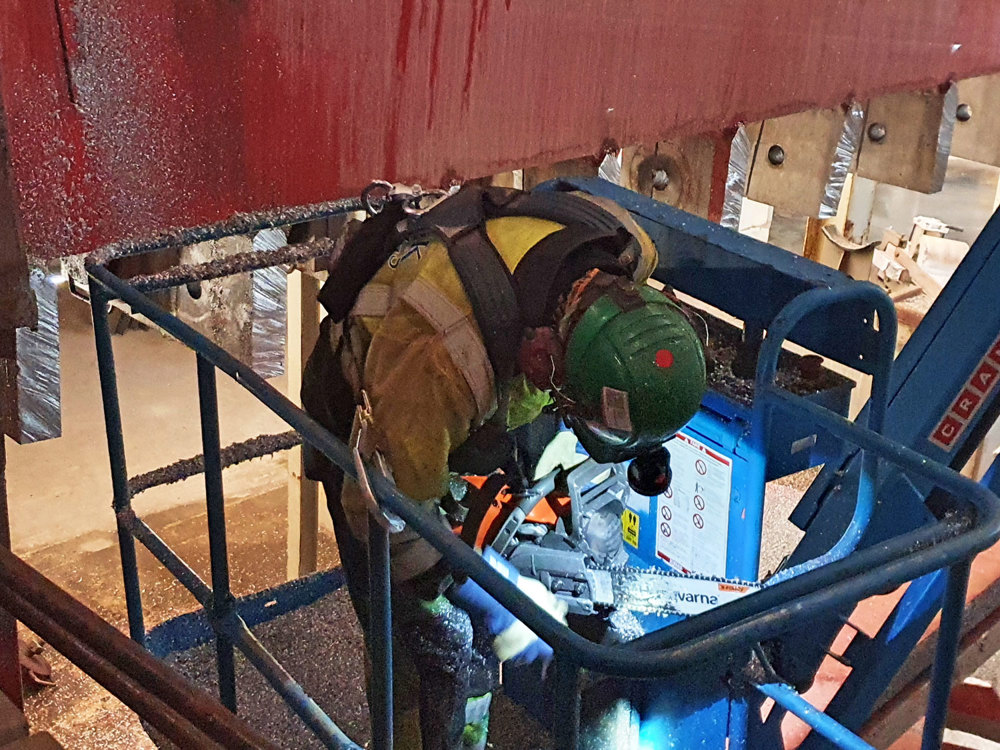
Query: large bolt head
point(661, 179)
point(776, 155)
point(963, 113)
point(877, 132)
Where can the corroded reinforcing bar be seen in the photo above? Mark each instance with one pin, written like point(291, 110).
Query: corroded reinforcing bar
point(257, 447)
point(185, 714)
point(233, 264)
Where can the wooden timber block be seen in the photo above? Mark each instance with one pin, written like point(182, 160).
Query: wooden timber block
point(506, 179)
point(889, 237)
point(13, 725)
point(707, 173)
point(818, 247)
point(799, 165)
point(908, 139)
point(40, 741)
point(686, 164)
point(856, 259)
point(978, 137)
point(919, 276)
point(901, 292)
point(583, 167)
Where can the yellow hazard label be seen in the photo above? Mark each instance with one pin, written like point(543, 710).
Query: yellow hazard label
point(630, 527)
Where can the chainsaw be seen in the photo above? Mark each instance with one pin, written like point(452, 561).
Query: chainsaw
point(576, 549)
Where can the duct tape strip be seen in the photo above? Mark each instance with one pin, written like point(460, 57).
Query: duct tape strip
point(611, 168)
point(269, 309)
point(846, 151)
point(945, 132)
point(740, 157)
point(38, 413)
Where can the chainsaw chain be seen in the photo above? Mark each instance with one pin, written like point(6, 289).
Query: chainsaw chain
point(633, 592)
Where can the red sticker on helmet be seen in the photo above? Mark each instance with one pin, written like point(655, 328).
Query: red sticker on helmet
point(664, 358)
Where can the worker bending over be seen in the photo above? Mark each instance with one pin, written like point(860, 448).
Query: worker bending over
point(472, 329)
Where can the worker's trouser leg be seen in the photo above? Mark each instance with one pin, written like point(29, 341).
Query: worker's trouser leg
point(444, 670)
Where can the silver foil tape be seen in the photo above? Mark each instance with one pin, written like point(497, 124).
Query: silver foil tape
point(268, 321)
point(945, 132)
point(37, 414)
point(847, 149)
point(611, 168)
point(269, 310)
point(243, 313)
point(740, 156)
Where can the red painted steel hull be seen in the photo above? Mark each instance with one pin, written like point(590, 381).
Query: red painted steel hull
point(127, 117)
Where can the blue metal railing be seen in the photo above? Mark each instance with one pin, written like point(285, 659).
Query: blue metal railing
point(874, 415)
point(739, 625)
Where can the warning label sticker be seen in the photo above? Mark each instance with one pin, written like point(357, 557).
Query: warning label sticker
point(630, 527)
point(693, 514)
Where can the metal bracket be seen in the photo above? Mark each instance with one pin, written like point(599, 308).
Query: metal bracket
point(415, 199)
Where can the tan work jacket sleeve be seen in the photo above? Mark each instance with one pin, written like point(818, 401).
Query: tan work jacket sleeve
point(421, 408)
point(420, 403)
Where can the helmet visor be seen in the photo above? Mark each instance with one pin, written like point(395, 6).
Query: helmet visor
point(602, 443)
point(606, 434)
point(607, 445)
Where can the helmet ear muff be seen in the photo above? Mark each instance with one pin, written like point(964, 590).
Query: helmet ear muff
point(540, 357)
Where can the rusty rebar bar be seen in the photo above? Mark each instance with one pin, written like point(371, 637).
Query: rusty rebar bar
point(184, 713)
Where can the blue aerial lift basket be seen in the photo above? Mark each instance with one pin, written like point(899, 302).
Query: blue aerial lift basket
point(699, 681)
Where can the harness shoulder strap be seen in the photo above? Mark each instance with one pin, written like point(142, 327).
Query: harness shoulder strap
point(363, 255)
point(501, 304)
point(490, 288)
point(558, 206)
point(461, 222)
point(556, 261)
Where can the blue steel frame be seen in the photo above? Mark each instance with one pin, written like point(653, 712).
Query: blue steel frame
point(735, 627)
point(929, 372)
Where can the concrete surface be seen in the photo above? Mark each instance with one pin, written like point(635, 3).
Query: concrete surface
point(80, 713)
point(13, 725)
point(322, 646)
point(966, 201)
point(61, 488)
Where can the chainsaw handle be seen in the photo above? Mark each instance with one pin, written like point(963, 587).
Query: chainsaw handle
point(522, 509)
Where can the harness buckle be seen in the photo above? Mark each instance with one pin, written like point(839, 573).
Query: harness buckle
point(363, 448)
point(414, 198)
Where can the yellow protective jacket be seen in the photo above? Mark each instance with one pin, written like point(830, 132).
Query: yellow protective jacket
point(412, 343)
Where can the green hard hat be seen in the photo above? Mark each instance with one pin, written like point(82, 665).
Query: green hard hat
point(635, 372)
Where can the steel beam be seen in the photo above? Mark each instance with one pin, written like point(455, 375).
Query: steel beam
point(128, 118)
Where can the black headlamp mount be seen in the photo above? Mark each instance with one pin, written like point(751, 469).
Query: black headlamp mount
point(649, 473)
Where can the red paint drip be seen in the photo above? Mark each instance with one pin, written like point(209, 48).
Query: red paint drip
point(664, 358)
point(435, 60)
point(479, 13)
point(481, 20)
point(403, 36)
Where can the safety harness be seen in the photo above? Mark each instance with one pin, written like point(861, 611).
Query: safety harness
point(503, 304)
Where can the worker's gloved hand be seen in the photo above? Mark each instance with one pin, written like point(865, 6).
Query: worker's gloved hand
point(512, 639)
